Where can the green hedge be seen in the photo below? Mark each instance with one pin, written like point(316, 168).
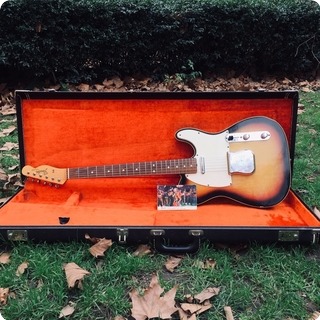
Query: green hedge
point(85, 40)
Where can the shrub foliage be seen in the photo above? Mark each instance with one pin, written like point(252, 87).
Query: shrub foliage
point(84, 40)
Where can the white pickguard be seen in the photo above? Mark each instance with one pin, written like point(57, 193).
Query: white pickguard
point(211, 152)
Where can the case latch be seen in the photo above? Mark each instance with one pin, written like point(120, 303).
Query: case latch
point(315, 237)
point(122, 234)
point(288, 235)
point(17, 235)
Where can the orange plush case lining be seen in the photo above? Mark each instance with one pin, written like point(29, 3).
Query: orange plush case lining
point(88, 130)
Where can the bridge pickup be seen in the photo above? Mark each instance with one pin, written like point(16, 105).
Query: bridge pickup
point(241, 162)
point(202, 165)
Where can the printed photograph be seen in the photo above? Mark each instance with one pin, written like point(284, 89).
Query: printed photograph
point(176, 197)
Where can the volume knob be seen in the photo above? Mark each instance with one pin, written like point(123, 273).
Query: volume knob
point(265, 135)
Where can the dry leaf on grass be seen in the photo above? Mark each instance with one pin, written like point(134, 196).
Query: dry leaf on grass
point(186, 316)
point(4, 293)
point(315, 316)
point(193, 308)
point(22, 268)
point(100, 245)
point(8, 146)
point(8, 131)
point(119, 318)
point(151, 304)
point(98, 249)
point(92, 239)
point(8, 111)
point(74, 275)
point(189, 310)
point(206, 294)
point(207, 264)
point(228, 313)
point(142, 250)
point(68, 310)
point(172, 263)
point(83, 87)
point(4, 257)
point(3, 175)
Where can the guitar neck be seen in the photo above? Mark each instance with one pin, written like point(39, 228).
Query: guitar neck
point(179, 166)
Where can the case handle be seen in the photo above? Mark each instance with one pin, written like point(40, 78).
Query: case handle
point(192, 247)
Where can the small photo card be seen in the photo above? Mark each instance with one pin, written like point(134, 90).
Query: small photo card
point(177, 197)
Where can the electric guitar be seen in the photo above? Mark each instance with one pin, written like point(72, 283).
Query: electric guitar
point(248, 162)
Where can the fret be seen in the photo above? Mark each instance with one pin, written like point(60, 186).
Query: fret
point(115, 170)
point(177, 166)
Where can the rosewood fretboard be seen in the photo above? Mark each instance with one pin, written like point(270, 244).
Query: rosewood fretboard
point(179, 166)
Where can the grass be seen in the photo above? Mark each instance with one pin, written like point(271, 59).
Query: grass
point(307, 159)
point(261, 282)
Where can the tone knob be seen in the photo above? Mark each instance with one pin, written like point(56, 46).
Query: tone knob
point(265, 135)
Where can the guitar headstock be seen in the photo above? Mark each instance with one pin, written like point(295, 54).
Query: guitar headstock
point(47, 174)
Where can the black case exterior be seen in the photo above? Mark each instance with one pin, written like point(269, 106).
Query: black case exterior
point(170, 239)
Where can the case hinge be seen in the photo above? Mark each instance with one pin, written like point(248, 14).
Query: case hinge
point(288, 235)
point(122, 234)
point(17, 235)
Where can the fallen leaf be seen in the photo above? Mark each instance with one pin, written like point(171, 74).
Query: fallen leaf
point(301, 108)
point(8, 146)
point(207, 264)
point(192, 308)
point(99, 87)
point(183, 315)
point(39, 283)
point(228, 312)
point(8, 131)
point(92, 239)
point(151, 304)
point(172, 263)
point(74, 275)
point(68, 310)
point(4, 257)
point(22, 268)
point(83, 87)
point(142, 250)
point(206, 294)
point(98, 249)
point(210, 264)
point(315, 316)
point(3, 175)
point(4, 292)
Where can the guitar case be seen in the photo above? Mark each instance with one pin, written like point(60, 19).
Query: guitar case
point(107, 130)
